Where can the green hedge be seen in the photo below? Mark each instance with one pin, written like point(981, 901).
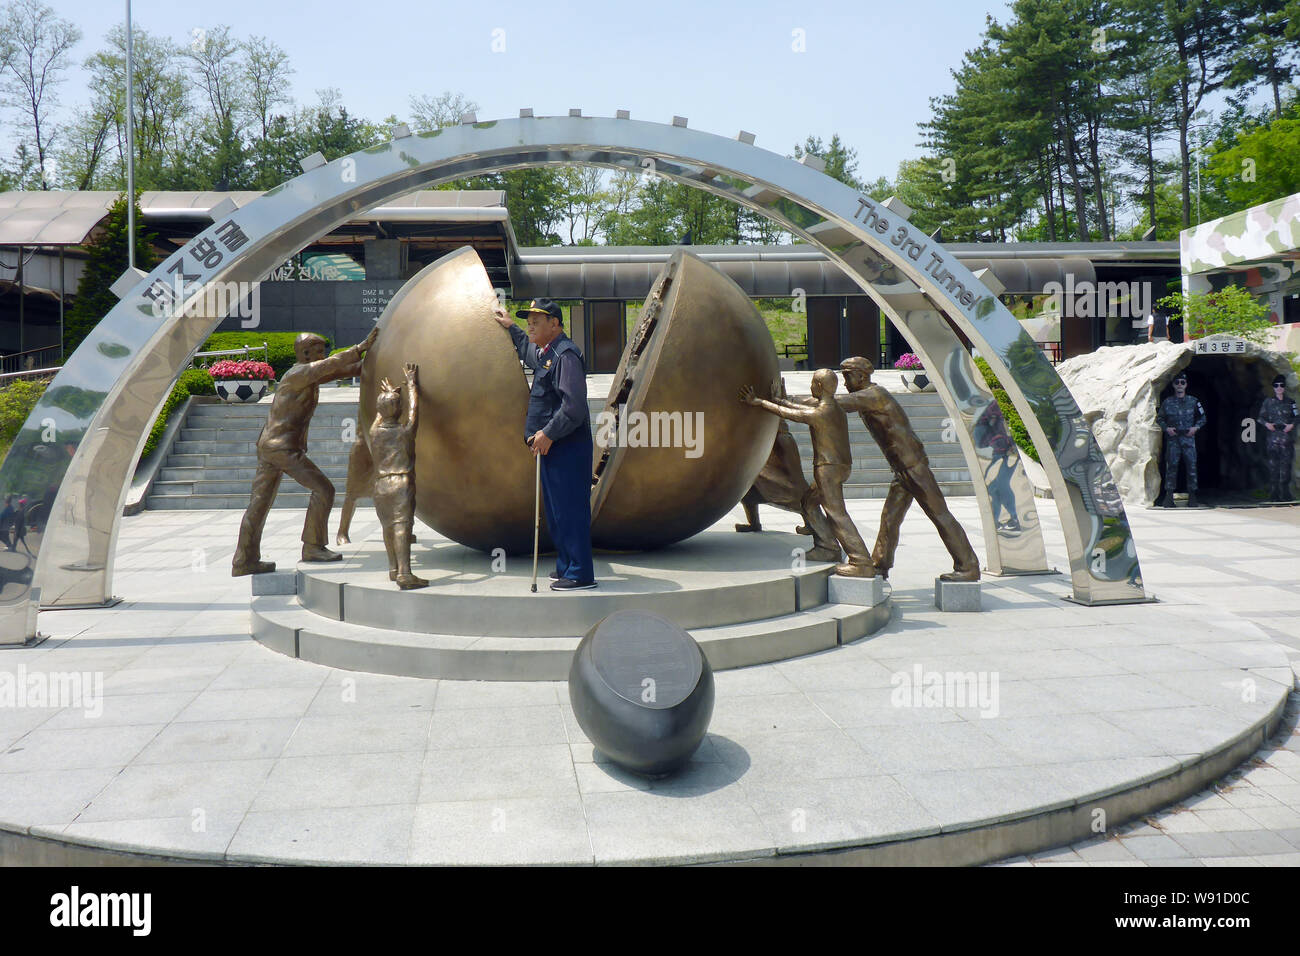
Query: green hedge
point(17, 399)
point(193, 381)
point(1014, 423)
point(279, 346)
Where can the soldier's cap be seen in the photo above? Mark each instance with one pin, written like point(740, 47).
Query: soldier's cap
point(544, 306)
point(1280, 380)
point(1180, 377)
point(857, 364)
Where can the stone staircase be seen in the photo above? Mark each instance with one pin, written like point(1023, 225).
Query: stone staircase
point(212, 462)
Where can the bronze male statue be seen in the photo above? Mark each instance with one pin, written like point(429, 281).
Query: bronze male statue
point(360, 484)
point(782, 484)
point(282, 449)
point(832, 461)
point(392, 446)
point(889, 426)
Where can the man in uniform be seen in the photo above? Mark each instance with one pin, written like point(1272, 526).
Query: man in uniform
point(1278, 415)
point(888, 424)
point(282, 449)
point(1181, 416)
point(558, 427)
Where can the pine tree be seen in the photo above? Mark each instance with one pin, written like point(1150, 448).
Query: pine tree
point(106, 260)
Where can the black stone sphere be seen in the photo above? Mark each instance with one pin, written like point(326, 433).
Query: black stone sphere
point(642, 691)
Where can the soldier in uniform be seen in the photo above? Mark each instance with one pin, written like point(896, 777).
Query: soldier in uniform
point(1181, 416)
point(1278, 415)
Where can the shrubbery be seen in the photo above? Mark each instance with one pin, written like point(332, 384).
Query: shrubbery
point(193, 381)
point(1014, 423)
point(17, 399)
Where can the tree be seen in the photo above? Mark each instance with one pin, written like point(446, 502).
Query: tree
point(1263, 165)
point(163, 111)
point(216, 61)
point(106, 260)
point(1231, 310)
point(435, 112)
point(266, 73)
point(585, 203)
point(841, 161)
point(1200, 38)
point(34, 55)
point(1267, 57)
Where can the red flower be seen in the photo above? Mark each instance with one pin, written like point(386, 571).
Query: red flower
point(249, 369)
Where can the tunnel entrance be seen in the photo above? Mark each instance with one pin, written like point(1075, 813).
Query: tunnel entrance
point(1231, 464)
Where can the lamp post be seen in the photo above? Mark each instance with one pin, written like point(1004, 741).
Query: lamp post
point(130, 144)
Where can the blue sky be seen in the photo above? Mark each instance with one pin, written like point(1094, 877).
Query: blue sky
point(867, 72)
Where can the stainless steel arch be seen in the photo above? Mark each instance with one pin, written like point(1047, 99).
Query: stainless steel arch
point(100, 405)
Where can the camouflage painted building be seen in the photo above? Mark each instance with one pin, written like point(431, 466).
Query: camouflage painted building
point(1258, 248)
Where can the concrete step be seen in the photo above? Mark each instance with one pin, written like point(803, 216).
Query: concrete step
point(249, 460)
point(316, 433)
point(324, 446)
point(285, 499)
point(950, 489)
point(282, 624)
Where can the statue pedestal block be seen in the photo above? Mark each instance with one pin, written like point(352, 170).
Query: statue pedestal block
point(867, 592)
point(275, 582)
point(956, 595)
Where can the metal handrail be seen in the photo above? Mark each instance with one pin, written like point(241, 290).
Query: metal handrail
point(13, 362)
point(29, 373)
point(264, 348)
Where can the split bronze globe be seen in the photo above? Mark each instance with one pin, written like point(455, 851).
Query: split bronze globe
point(683, 436)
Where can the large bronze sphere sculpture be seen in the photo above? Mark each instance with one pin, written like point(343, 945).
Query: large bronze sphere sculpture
point(699, 339)
point(675, 450)
point(473, 472)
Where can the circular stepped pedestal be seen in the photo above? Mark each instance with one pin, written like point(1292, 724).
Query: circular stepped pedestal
point(738, 595)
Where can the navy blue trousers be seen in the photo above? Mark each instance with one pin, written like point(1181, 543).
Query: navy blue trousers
point(566, 494)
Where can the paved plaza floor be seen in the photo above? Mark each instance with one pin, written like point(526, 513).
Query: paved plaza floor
point(211, 746)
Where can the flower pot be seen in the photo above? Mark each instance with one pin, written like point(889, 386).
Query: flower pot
point(917, 382)
point(237, 390)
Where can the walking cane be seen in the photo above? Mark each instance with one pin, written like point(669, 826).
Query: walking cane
point(537, 516)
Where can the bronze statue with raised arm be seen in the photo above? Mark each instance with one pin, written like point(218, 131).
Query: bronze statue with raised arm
point(392, 446)
point(832, 461)
point(282, 450)
point(782, 484)
point(889, 426)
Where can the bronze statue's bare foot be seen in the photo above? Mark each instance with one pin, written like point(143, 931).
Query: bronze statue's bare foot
point(822, 554)
point(972, 575)
point(342, 538)
point(316, 552)
point(852, 570)
point(408, 582)
point(748, 527)
point(256, 567)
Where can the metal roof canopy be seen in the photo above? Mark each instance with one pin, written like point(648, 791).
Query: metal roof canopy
point(67, 218)
point(627, 272)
